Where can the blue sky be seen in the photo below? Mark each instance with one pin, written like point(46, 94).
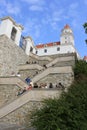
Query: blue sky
point(44, 19)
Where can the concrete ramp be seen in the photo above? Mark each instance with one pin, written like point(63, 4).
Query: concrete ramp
point(14, 80)
point(61, 59)
point(52, 70)
point(40, 57)
point(30, 66)
point(31, 95)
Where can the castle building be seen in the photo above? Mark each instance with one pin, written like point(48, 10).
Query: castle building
point(45, 64)
point(65, 45)
point(14, 31)
point(11, 29)
point(85, 58)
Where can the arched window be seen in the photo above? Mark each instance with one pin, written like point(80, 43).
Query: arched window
point(31, 49)
point(36, 52)
point(58, 48)
point(13, 34)
point(45, 50)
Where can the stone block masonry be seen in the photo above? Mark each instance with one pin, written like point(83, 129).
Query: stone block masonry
point(10, 56)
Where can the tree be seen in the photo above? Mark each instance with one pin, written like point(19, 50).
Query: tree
point(85, 27)
point(80, 68)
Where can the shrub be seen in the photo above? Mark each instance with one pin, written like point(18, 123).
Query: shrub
point(80, 68)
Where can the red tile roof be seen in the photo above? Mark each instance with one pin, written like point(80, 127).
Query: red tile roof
point(40, 46)
point(85, 58)
point(66, 26)
point(48, 44)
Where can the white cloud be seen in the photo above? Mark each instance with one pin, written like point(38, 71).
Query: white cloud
point(2, 2)
point(36, 8)
point(73, 6)
point(74, 23)
point(38, 2)
point(54, 25)
point(73, 10)
point(34, 5)
point(32, 27)
point(10, 8)
point(37, 31)
point(57, 15)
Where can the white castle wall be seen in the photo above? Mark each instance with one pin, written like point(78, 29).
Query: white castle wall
point(6, 28)
point(66, 39)
point(29, 45)
point(53, 50)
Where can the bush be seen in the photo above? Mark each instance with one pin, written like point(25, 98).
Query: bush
point(80, 68)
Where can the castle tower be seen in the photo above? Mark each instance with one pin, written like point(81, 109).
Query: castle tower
point(85, 58)
point(11, 29)
point(29, 45)
point(67, 36)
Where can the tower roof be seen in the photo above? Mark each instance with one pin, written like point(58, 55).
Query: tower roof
point(66, 26)
point(85, 58)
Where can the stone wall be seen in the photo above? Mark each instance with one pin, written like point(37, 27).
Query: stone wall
point(28, 73)
point(66, 79)
point(7, 93)
point(10, 56)
point(19, 115)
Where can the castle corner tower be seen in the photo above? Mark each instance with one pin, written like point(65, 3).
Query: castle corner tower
point(12, 30)
point(67, 35)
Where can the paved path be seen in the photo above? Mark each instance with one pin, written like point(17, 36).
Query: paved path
point(4, 126)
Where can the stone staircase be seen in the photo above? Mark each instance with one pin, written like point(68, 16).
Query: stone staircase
point(56, 71)
point(52, 70)
point(62, 60)
point(38, 67)
point(30, 95)
point(48, 58)
point(14, 80)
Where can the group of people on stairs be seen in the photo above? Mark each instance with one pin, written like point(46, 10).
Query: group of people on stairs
point(30, 85)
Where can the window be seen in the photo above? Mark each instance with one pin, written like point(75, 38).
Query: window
point(36, 52)
point(45, 50)
point(58, 48)
point(45, 45)
point(31, 49)
point(13, 34)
